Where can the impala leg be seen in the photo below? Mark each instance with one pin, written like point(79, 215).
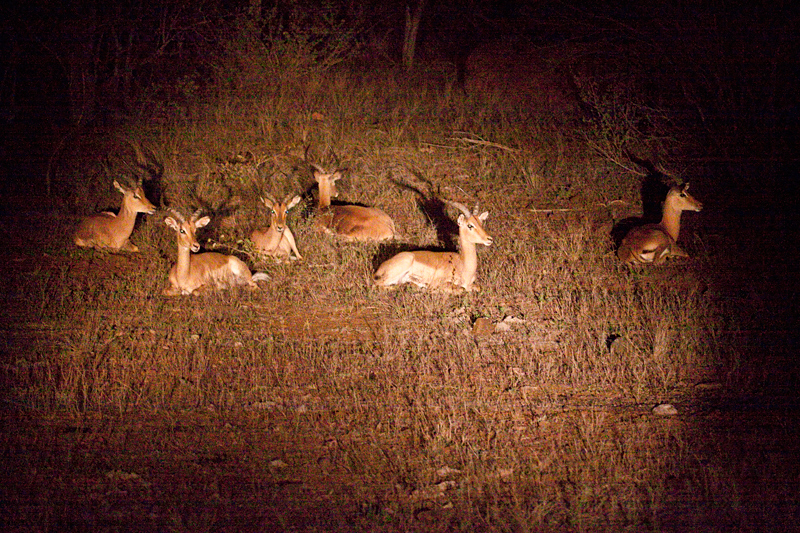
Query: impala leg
point(129, 247)
point(203, 290)
point(290, 239)
point(677, 251)
point(660, 255)
point(171, 291)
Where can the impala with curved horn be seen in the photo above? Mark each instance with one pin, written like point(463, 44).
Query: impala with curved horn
point(195, 273)
point(653, 243)
point(111, 231)
point(353, 222)
point(278, 239)
point(448, 271)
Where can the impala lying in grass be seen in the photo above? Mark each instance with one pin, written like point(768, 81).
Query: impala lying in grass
point(277, 240)
point(446, 271)
point(353, 222)
point(196, 273)
point(109, 231)
point(654, 243)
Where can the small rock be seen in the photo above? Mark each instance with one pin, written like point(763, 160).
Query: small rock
point(483, 327)
point(507, 323)
point(502, 327)
point(665, 409)
point(444, 486)
point(621, 347)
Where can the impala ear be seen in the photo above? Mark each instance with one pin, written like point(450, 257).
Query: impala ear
point(119, 187)
point(267, 202)
point(320, 175)
point(482, 217)
point(293, 202)
point(203, 222)
point(172, 223)
point(461, 219)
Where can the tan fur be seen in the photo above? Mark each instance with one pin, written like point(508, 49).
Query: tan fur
point(112, 232)
point(277, 240)
point(196, 273)
point(352, 222)
point(446, 271)
point(654, 243)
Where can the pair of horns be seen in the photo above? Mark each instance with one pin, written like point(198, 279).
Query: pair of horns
point(464, 209)
point(127, 184)
point(181, 218)
point(274, 201)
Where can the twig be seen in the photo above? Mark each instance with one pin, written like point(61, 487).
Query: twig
point(570, 209)
point(483, 142)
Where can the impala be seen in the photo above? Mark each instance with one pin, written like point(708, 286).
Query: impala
point(111, 231)
point(353, 222)
point(278, 239)
point(448, 271)
point(196, 273)
point(653, 243)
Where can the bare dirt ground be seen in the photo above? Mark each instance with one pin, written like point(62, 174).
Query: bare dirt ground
point(291, 461)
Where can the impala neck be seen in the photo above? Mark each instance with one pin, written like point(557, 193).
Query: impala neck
point(273, 237)
point(126, 217)
point(671, 221)
point(469, 259)
point(325, 190)
point(184, 262)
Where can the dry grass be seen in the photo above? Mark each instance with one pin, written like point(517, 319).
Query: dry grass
point(322, 403)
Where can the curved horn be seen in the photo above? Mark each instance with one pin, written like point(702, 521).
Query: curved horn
point(126, 183)
point(177, 215)
point(460, 207)
point(196, 215)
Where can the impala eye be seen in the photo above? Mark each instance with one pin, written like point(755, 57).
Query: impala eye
point(471, 226)
point(183, 231)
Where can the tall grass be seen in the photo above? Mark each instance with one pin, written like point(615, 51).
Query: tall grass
point(387, 407)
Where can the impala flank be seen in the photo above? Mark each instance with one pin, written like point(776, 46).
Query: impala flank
point(353, 222)
point(446, 271)
point(277, 240)
point(196, 273)
point(109, 231)
point(654, 243)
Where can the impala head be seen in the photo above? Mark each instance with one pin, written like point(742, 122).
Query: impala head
point(186, 229)
point(679, 199)
point(471, 225)
point(327, 181)
point(135, 199)
point(278, 210)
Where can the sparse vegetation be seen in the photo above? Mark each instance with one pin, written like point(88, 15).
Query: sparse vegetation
point(322, 403)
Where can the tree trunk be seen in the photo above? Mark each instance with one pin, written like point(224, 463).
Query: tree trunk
point(410, 34)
